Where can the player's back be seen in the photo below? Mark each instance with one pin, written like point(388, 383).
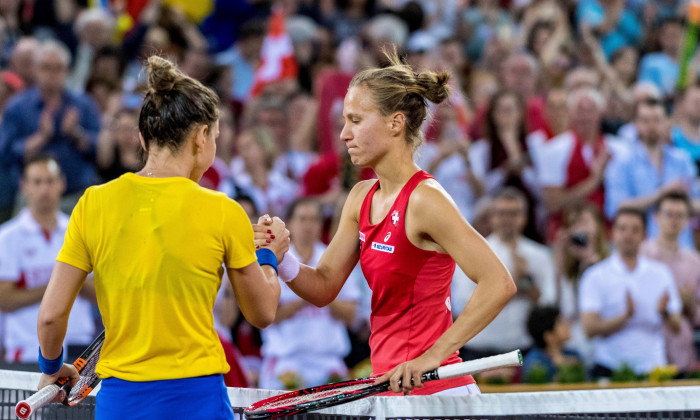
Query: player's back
point(157, 246)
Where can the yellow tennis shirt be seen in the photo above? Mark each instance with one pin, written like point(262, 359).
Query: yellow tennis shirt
point(156, 246)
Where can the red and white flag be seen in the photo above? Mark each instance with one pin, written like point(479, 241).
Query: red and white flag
point(277, 56)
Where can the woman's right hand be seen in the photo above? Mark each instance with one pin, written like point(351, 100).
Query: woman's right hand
point(66, 371)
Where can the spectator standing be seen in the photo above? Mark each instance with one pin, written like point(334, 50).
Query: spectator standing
point(505, 149)
point(651, 169)
point(29, 244)
point(672, 213)
point(581, 242)
point(49, 118)
point(575, 162)
point(626, 300)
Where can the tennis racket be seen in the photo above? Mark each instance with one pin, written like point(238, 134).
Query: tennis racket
point(85, 364)
point(324, 396)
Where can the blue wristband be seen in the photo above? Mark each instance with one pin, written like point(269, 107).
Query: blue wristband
point(267, 257)
point(49, 367)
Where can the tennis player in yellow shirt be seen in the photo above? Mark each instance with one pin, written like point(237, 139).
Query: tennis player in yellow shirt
point(157, 243)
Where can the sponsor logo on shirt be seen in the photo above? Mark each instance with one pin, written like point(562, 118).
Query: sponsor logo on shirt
point(362, 236)
point(448, 303)
point(388, 235)
point(383, 247)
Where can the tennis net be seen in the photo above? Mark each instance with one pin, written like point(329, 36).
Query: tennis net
point(681, 402)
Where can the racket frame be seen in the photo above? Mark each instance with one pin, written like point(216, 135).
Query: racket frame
point(257, 410)
point(27, 407)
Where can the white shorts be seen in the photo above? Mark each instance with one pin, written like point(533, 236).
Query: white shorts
point(470, 389)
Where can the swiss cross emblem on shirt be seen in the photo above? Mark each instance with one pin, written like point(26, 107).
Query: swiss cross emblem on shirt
point(395, 217)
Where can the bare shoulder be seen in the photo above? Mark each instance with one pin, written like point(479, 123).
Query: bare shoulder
point(356, 197)
point(429, 198)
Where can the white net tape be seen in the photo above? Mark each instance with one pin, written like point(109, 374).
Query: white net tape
point(632, 400)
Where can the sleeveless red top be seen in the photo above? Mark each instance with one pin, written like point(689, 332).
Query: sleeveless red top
point(411, 295)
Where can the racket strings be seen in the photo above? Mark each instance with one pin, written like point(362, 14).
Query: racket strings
point(87, 377)
point(315, 396)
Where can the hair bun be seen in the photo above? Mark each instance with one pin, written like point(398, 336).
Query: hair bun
point(435, 85)
point(162, 75)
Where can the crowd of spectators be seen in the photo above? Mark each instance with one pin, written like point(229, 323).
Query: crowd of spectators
point(571, 143)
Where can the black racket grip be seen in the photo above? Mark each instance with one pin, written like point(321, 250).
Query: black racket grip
point(427, 376)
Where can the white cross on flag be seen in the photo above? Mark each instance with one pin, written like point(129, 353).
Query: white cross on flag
point(277, 61)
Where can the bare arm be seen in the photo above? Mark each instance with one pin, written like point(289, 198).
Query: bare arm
point(13, 298)
point(64, 286)
point(322, 284)
point(257, 292)
point(452, 233)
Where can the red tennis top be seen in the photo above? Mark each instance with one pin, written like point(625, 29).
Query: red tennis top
point(410, 290)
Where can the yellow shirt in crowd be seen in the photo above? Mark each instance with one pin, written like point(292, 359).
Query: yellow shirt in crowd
point(156, 246)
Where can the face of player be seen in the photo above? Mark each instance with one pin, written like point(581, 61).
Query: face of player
point(672, 217)
point(366, 131)
point(43, 186)
point(508, 218)
point(305, 225)
point(628, 234)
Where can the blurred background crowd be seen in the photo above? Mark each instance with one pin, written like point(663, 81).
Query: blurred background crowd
point(571, 143)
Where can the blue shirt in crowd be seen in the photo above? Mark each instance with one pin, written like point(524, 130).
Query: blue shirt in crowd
point(21, 120)
point(661, 70)
point(634, 176)
point(627, 32)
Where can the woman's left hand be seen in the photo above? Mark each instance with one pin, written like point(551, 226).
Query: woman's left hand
point(407, 375)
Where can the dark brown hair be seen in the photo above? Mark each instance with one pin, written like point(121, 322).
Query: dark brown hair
point(173, 105)
point(398, 88)
point(674, 196)
point(498, 151)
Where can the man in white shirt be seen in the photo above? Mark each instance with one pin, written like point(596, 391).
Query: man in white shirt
point(29, 244)
point(626, 299)
point(305, 346)
point(531, 266)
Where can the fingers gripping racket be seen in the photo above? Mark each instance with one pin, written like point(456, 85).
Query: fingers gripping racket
point(85, 364)
point(324, 396)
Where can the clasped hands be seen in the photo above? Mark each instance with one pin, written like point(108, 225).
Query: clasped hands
point(272, 233)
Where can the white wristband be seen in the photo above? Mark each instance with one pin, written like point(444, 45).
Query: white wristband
point(288, 268)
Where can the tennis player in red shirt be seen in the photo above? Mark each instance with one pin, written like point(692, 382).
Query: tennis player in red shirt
point(407, 234)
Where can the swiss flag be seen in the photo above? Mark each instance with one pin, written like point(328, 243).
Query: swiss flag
point(277, 56)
